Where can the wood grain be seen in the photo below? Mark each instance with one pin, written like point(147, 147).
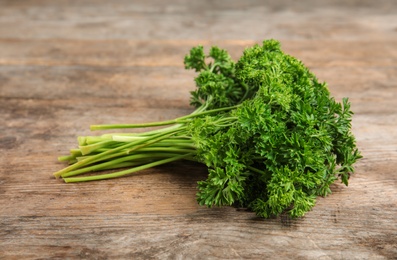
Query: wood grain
point(65, 65)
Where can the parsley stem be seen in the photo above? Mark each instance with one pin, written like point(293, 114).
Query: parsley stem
point(129, 147)
point(128, 171)
point(86, 149)
point(162, 123)
point(137, 158)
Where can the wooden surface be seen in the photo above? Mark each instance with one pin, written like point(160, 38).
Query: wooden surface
point(67, 64)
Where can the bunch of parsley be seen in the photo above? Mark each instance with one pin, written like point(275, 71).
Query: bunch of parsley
point(269, 132)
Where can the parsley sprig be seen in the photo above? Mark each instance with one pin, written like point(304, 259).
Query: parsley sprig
point(271, 135)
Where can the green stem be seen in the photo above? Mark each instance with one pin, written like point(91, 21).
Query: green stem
point(179, 120)
point(116, 151)
point(132, 158)
point(87, 149)
point(256, 170)
point(65, 158)
point(125, 172)
point(148, 151)
point(166, 143)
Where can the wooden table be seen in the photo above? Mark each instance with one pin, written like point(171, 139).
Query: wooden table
point(67, 64)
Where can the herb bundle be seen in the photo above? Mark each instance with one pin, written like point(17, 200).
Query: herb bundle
point(269, 132)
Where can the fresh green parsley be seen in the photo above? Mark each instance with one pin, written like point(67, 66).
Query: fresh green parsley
point(271, 135)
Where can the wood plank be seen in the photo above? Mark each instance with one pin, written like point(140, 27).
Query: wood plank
point(170, 53)
point(184, 19)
